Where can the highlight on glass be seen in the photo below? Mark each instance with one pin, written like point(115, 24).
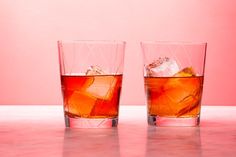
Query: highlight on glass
point(91, 80)
point(173, 81)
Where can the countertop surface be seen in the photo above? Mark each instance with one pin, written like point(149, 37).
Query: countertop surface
point(39, 131)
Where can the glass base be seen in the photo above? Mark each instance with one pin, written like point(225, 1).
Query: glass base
point(91, 122)
point(172, 121)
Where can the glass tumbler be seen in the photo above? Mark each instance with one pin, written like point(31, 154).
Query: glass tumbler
point(173, 80)
point(91, 80)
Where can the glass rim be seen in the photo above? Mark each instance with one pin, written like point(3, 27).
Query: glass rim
point(173, 42)
point(92, 41)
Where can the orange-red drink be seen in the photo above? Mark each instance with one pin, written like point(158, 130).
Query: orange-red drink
point(91, 96)
point(174, 97)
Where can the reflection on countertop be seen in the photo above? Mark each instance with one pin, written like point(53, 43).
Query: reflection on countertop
point(173, 141)
point(101, 142)
point(39, 131)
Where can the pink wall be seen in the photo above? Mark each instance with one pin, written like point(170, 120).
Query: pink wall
point(29, 31)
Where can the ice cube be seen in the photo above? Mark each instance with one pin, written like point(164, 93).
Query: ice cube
point(186, 72)
point(94, 70)
point(181, 93)
point(81, 103)
point(102, 87)
point(163, 67)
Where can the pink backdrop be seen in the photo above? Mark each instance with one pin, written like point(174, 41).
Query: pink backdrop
point(28, 33)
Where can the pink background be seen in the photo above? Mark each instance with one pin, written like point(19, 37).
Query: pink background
point(29, 67)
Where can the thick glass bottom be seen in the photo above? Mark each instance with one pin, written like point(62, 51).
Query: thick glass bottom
point(173, 121)
point(90, 122)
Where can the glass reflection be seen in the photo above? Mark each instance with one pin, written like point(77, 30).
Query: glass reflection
point(173, 141)
point(81, 142)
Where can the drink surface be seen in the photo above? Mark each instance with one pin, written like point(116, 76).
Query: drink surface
point(174, 96)
point(93, 96)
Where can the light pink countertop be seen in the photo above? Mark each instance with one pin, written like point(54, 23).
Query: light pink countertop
point(39, 131)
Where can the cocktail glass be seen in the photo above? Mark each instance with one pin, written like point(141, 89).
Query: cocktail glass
point(91, 81)
point(173, 80)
